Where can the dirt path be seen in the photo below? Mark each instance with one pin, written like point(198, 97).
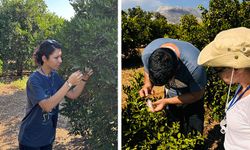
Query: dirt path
point(12, 108)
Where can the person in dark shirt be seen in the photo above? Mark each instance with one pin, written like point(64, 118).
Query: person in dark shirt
point(45, 90)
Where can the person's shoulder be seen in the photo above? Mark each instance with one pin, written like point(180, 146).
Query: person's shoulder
point(246, 98)
point(34, 77)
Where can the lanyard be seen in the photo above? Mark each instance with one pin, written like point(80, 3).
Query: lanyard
point(234, 100)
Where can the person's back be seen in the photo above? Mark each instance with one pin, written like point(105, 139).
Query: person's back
point(188, 52)
point(189, 80)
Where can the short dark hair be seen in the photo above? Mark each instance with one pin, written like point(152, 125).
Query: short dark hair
point(162, 64)
point(46, 48)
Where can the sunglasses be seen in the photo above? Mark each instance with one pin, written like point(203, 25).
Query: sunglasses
point(51, 41)
point(218, 70)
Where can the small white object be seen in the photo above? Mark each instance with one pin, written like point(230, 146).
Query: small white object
point(223, 125)
point(150, 105)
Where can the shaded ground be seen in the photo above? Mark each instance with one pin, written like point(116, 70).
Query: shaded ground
point(12, 108)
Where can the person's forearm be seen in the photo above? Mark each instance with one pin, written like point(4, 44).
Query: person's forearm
point(48, 104)
point(78, 89)
point(147, 80)
point(185, 98)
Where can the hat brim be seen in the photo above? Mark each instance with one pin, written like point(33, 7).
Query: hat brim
point(209, 57)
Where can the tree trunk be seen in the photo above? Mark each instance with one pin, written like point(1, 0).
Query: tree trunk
point(19, 66)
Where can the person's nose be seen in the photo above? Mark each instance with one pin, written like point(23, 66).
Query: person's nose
point(60, 59)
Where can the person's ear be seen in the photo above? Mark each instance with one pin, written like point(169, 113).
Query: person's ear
point(44, 58)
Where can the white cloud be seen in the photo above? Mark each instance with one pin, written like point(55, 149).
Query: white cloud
point(144, 4)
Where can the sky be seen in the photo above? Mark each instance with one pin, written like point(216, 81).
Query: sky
point(61, 8)
point(151, 5)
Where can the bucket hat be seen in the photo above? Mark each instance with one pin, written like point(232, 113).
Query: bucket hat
point(230, 48)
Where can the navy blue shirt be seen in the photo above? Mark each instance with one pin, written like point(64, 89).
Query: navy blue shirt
point(190, 77)
point(38, 128)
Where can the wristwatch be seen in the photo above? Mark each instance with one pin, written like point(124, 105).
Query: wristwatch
point(69, 84)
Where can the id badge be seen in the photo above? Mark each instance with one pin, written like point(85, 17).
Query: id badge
point(223, 125)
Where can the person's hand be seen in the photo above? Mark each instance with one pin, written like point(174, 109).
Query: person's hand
point(150, 106)
point(146, 90)
point(75, 78)
point(158, 105)
point(87, 73)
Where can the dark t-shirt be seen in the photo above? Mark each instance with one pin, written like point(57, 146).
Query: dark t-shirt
point(38, 128)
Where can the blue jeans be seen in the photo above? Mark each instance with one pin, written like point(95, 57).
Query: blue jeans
point(46, 147)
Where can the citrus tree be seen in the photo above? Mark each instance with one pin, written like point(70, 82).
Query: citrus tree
point(90, 40)
point(23, 25)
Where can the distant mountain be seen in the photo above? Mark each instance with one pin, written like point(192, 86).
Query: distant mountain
point(173, 14)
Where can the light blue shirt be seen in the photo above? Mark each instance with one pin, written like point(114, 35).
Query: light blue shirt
point(190, 77)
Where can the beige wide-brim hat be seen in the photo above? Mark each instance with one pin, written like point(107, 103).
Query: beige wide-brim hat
point(230, 48)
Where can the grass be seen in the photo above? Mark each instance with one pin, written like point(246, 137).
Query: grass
point(20, 84)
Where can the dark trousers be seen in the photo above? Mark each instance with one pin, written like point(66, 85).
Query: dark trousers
point(188, 119)
point(190, 116)
point(46, 147)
